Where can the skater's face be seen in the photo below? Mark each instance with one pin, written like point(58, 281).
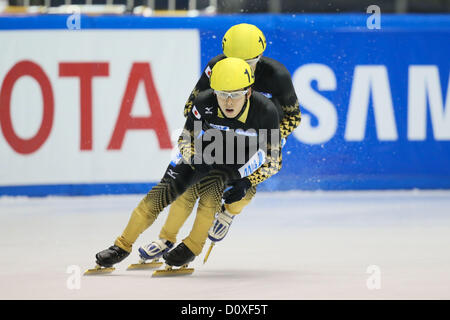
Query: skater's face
point(232, 102)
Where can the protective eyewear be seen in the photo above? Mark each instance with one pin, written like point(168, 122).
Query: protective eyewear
point(254, 61)
point(232, 95)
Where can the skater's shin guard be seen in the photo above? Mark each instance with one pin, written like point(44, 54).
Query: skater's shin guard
point(179, 211)
point(144, 215)
point(210, 201)
point(139, 221)
point(238, 206)
point(199, 233)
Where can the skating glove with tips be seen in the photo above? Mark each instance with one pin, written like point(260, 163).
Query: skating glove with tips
point(236, 190)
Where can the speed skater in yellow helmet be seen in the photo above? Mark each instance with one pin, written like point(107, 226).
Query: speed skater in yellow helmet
point(231, 74)
point(243, 41)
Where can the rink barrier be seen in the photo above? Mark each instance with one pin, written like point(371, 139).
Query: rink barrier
point(95, 189)
point(88, 189)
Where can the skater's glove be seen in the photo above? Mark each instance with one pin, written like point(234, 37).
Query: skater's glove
point(236, 190)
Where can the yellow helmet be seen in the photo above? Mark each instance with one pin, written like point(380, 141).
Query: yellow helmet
point(243, 41)
point(231, 74)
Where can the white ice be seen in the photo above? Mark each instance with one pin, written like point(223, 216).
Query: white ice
point(291, 245)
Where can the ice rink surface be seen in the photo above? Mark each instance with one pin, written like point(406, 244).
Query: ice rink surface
point(291, 245)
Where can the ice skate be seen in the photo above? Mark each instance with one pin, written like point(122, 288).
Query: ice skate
point(219, 229)
point(98, 269)
point(221, 225)
point(153, 252)
point(209, 251)
point(181, 256)
point(106, 259)
point(171, 271)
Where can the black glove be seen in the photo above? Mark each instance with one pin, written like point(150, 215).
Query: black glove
point(236, 190)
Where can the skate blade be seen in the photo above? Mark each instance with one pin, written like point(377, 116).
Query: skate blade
point(170, 271)
point(99, 270)
point(209, 251)
point(145, 265)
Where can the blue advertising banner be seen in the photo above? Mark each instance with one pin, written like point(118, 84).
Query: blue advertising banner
point(375, 102)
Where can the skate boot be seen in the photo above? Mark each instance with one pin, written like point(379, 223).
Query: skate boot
point(221, 225)
point(155, 249)
point(178, 257)
point(106, 259)
point(153, 252)
point(219, 229)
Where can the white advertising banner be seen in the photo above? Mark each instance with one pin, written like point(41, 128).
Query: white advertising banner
point(92, 106)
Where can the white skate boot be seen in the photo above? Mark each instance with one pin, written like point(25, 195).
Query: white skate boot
point(153, 252)
point(155, 249)
point(221, 225)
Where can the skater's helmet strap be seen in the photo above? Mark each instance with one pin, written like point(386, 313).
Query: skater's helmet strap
point(231, 74)
point(243, 41)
